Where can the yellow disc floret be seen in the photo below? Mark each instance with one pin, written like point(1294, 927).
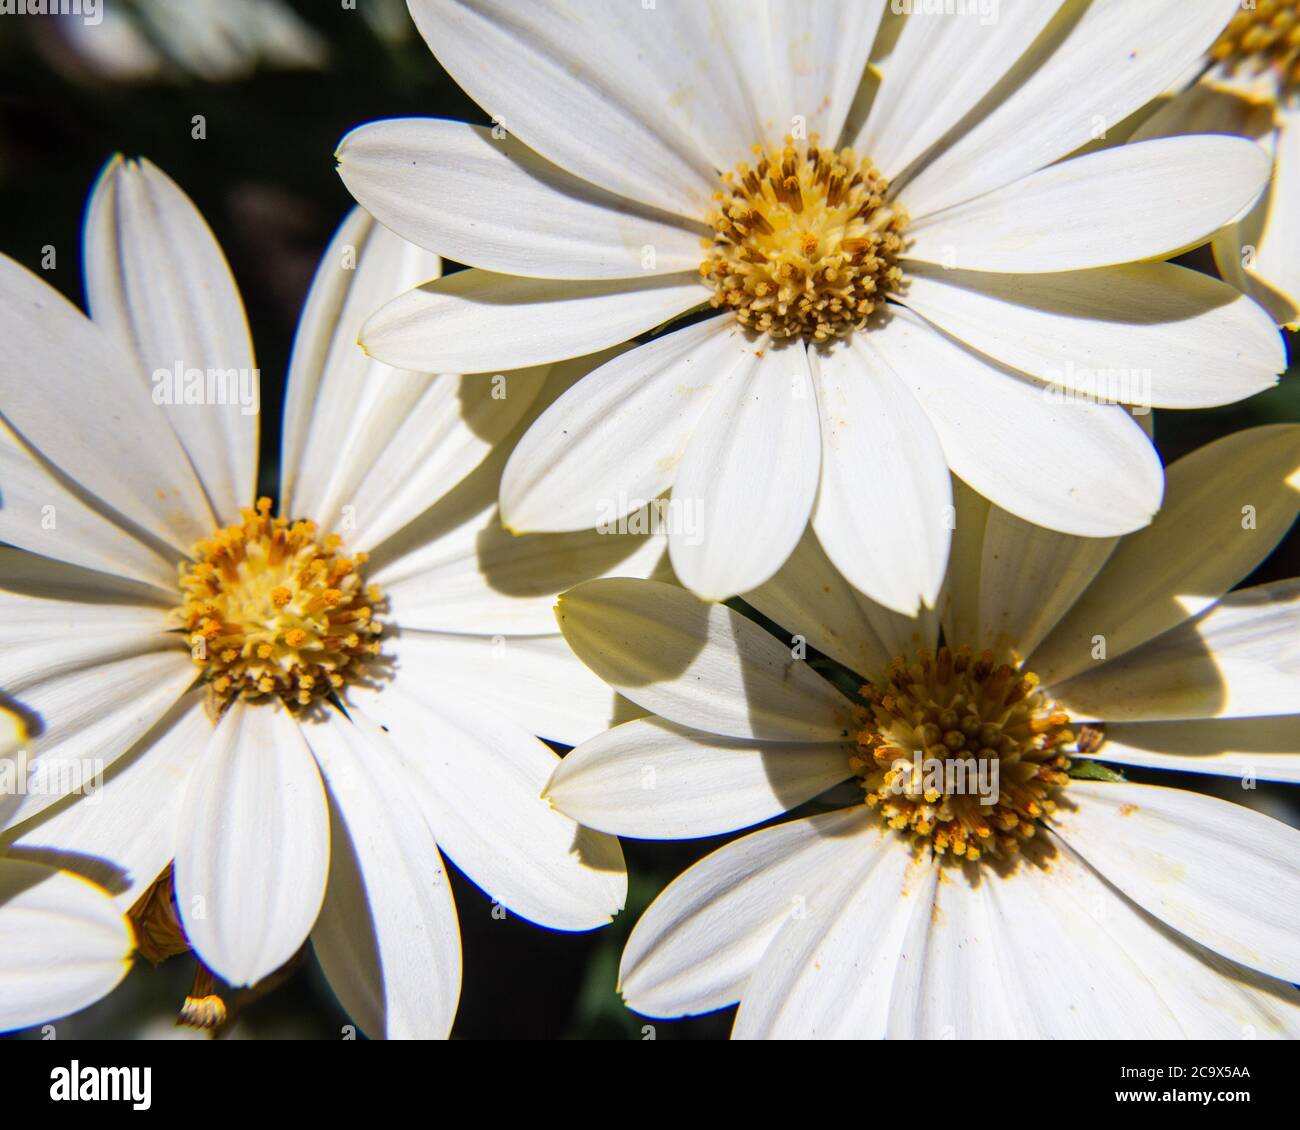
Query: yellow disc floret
point(1262, 37)
point(271, 609)
point(961, 752)
point(804, 242)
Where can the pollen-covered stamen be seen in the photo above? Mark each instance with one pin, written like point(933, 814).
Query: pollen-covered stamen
point(961, 751)
point(804, 242)
point(271, 609)
point(1263, 37)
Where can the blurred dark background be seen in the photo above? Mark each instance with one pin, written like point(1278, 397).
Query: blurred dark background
point(278, 84)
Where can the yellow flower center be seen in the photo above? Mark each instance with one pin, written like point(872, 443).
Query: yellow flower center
point(961, 752)
point(804, 243)
point(1261, 37)
point(270, 609)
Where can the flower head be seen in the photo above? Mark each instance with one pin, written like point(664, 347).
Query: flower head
point(294, 723)
point(972, 867)
point(902, 270)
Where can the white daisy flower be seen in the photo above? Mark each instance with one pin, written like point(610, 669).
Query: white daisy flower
point(1251, 88)
point(212, 40)
point(980, 891)
point(64, 942)
point(927, 282)
point(293, 716)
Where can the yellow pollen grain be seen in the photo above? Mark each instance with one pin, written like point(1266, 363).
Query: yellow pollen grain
point(949, 706)
point(1263, 37)
point(262, 600)
point(804, 243)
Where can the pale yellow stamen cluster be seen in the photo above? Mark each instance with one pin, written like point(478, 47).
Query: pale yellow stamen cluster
point(804, 242)
point(1263, 37)
point(270, 609)
point(947, 706)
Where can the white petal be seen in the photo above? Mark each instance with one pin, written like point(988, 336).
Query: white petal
point(1148, 334)
point(1033, 944)
point(342, 409)
point(1029, 578)
point(695, 947)
point(387, 937)
point(1208, 106)
point(71, 394)
point(472, 575)
point(884, 509)
point(364, 266)
point(1249, 748)
point(1118, 205)
point(830, 972)
point(911, 112)
point(698, 664)
point(958, 987)
point(959, 604)
point(674, 96)
point(616, 438)
point(92, 714)
point(28, 575)
point(481, 580)
point(1239, 659)
point(157, 281)
point(1227, 505)
point(253, 848)
point(1276, 233)
point(1258, 253)
point(448, 432)
point(43, 514)
point(1073, 466)
point(385, 442)
point(1052, 951)
point(65, 944)
point(540, 68)
point(1204, 994)
point(534, 681)
point(124, 835)
point(223, 42)
point(45, 634)
point(749, 475)
point(1220, 873)
point(478, 322)
point(810, 598)
point(656, 781)
point(816, 54)
point(478, 777)
point(453, 188)
point(1104, 63)
point(454, 567)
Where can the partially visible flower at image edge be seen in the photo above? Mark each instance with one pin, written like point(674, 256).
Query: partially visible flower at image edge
point(1062, 907)
point(64, 943)
point(1250, 87)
